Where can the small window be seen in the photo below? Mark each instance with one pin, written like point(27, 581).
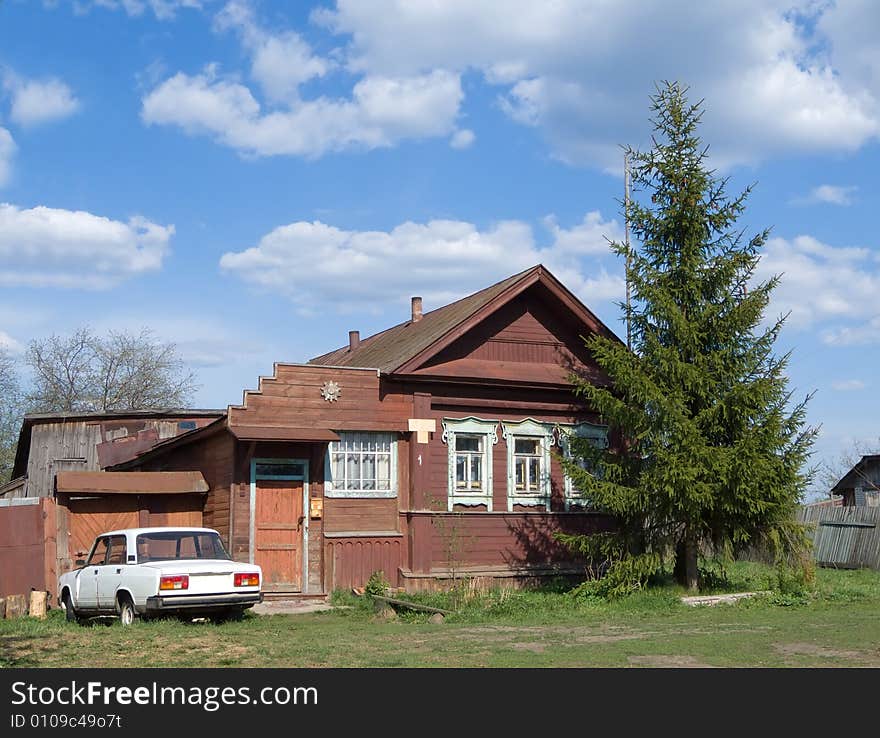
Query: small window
point(186, 425)
point(527, 462)
point(469, 457)
point(280, 469)
point(99, 554)
point(117, 550)
point(362, 465)
point(596, 436)
point(469, 442)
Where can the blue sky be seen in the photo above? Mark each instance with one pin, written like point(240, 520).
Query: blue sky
point(254, 179)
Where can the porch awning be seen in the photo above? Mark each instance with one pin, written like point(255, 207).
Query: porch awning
point(268, 433)
point(130, 483)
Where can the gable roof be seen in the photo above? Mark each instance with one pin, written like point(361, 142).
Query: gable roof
point(402, 346)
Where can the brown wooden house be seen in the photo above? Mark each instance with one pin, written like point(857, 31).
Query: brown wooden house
point(428, 451)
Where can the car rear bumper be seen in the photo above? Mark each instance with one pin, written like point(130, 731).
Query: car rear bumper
point(204, 602)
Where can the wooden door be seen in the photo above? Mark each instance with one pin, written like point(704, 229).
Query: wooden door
point(278, 521)
point(90, 518)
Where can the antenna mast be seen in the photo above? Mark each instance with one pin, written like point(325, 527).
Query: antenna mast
point(626, 238)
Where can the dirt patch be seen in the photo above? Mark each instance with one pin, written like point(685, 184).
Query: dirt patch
point(811, 649)
point(672, 661)
point(530, 647)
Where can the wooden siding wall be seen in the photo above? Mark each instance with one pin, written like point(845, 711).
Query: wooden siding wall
point(513, 540)
point(525, 330)
point(344, 515)
point(435, 453)
point(351, 561)
point(214, 457)
point(293, 398)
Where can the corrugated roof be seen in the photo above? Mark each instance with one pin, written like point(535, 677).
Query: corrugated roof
point(130, 483)
point(392, 347)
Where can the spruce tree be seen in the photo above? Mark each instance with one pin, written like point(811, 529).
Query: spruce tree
point(710, 449)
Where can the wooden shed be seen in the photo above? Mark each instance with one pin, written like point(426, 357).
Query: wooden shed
point(428, 451)
point(42, 537)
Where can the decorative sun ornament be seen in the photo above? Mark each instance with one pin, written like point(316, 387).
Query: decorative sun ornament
point(331, 391)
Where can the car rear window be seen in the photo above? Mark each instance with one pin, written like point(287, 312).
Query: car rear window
point(172, 545)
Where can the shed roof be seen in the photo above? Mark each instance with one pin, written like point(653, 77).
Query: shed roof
point(32, 419)
point(130, 483)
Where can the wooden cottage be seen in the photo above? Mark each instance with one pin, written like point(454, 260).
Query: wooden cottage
point(860, 486)
point(428, 451)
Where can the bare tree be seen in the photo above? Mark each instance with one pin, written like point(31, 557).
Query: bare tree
point(831, 472)
point(10, 413)
point(84, 372)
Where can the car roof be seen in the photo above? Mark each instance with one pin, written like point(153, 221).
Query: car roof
point(156, 529)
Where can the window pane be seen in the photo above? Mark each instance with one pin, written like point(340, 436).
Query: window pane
point(338, 470)
point(534, 473)
point(383, 471)
point(468, 443)
point(368, 471)
point(461, 471)
point(519, 467)
point(526, 445)
point(353, 480)
point(279, 469)
point(476, 471)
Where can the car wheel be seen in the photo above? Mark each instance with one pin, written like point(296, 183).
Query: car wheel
point(126, 611)
point(69, 612)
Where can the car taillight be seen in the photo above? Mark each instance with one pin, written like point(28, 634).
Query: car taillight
point(175, 582)
point(247, 580)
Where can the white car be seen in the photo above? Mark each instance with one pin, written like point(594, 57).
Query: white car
point(153, 571)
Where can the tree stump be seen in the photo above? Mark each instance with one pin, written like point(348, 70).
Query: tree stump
point(38, 605)
point(16, 606)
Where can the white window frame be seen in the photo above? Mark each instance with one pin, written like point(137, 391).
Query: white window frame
point(529, 429)
point(331, 491)
point(596, 433)
point(470, 426)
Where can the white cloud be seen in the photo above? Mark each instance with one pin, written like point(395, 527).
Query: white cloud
point(462, 139)
point(8, 343)
point(162, 9)
point(7, 151)
point(279, 63)
point(315, 263)
point(860, 334)
point(848, 385)
point(821, 283)
point(50, 247)
point(39, 101)
point(778, 76)
point(381, 112)
point(831, 194)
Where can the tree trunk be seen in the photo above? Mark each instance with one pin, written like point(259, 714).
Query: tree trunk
point(692, 576)
point(685, 571)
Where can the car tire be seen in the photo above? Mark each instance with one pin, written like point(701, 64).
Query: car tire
point(69, 612)
point(126, 611)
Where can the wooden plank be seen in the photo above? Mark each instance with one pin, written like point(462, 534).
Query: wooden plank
point(410, 605)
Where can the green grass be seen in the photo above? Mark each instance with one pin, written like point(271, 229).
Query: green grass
point(835, 625)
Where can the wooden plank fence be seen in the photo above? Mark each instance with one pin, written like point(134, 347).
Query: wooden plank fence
point(844, 537)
